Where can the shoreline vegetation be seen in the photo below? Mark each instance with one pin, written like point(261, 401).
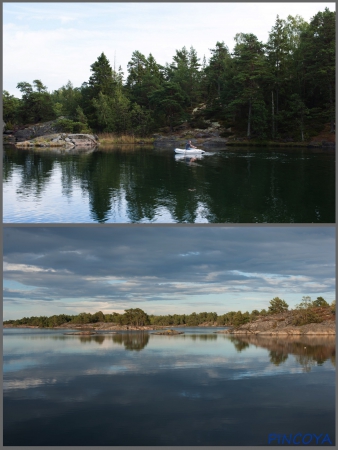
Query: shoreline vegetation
point(281, 91)
point(308, 318)
point(49, 138)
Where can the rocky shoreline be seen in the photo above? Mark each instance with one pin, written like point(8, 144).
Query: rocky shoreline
point(282, 325)
point(48, 135)
point(94, 327)
point(215, 141)
point(276, 325)
point(64, 140)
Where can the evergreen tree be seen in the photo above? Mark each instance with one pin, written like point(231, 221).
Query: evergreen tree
point(318, 49)
point(250, 69)
point(102, 79)
point(277, 305)
point(10, 108)
point(36, 104)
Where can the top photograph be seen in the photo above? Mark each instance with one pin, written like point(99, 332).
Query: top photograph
point(169, 113)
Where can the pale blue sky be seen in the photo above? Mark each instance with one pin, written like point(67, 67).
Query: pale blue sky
point(57, 42)
point(164, 270)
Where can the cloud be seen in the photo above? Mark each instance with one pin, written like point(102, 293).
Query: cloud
point(58, 42)
point(123, 266)
point(24, 268)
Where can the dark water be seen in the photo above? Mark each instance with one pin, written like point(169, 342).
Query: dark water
point(148, 185)
point(140, 389)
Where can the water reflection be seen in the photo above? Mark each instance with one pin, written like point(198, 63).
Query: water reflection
point(200, 337)
point(308, 350)
point(197, 389)
point(88, 339)
point(147, 185)
point(239, 344)
point(132, 341)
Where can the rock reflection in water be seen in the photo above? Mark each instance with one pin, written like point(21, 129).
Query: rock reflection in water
point(308, 350)
point(200, 337)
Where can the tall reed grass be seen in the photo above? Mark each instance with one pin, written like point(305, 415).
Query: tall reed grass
point(112, 138)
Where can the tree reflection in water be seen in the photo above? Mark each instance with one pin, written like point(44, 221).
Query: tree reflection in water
point(308, 350)
point(132, 341)
point(99, 339)
point(200, 337)
point(146, 183)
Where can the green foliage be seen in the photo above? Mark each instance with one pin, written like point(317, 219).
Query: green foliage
point(112, 112)
point(10, 107)
point(198, 122)
point(168, 102)
point(304, 317)
point(141, 120)
point(318, 50)
point(69, 126)
point(137, 317)
point(304, 313)
point(35, 105)
point(254, 314)
point(66, 101)
point(320, 302)
point(240, 318)
point(184, 72)
point(101, 80)
point(277, 305)
point(284, 88)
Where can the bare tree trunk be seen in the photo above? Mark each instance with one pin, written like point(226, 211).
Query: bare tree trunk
point(249, 119)
point(273, 116)
point(277, 109)
point(332, 120)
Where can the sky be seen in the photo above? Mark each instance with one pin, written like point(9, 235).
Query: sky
point(163, 269)
point(57, 42)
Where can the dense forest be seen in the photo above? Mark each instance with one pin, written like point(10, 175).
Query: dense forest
point(284, 88)
point(137, 317)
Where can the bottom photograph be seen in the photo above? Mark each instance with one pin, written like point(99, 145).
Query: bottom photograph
point(169, 335)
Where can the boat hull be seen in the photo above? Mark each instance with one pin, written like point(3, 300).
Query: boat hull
point(192, 151)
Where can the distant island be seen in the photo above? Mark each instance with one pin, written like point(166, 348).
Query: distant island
point(309, 317)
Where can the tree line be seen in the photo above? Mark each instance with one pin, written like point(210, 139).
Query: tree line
point(283, 88)
point(137, 317)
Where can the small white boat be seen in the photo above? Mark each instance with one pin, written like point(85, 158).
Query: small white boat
point(191, 151)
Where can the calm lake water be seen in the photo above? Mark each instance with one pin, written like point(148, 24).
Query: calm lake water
point(149, 185)
point(140, 389)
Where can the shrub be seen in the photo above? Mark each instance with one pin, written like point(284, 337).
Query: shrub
point(69, 126)
point(302, 318)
